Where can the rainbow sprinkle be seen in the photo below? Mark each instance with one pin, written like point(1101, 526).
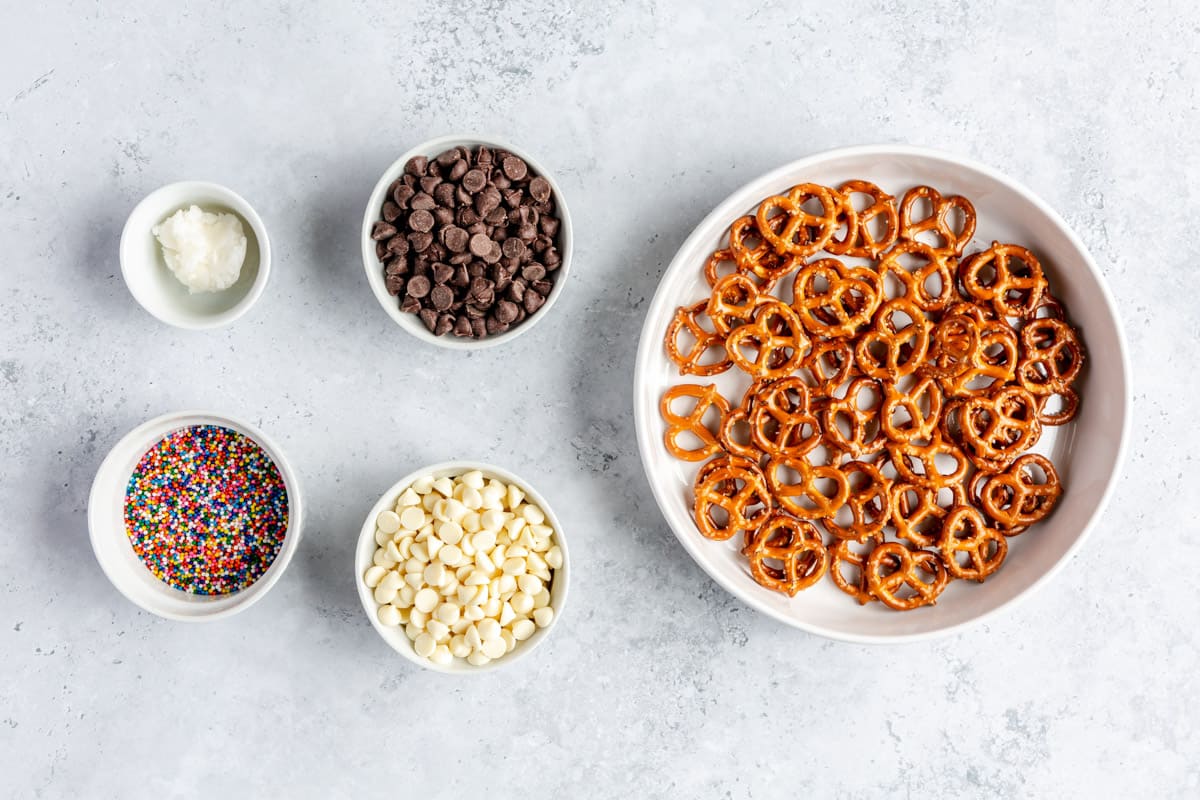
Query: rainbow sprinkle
point(206, 510)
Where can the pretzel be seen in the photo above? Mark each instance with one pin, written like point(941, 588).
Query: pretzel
point(1016, 282)
point(1017, 498)
point(863, 243)
point(781, 424)
point(845, 303)
point(869, 502)
point(916, 281)
point(894, 575)
point(805, 498)
point(830, 362)
point(861, 425)
point(735, 443)
point(938, 220)
point(776, 339)
point(921, 404)
point(739, 491)
point(783, 222)
point(964, 532)
point(890, 350)
point(917, 513)
point(706, 397)
point(997, 428)
point(754, 255)
point(917, 463)
point(1051, 359)
point(842, 553)
point(733, 302)
point(794, 545)
point(689, 363)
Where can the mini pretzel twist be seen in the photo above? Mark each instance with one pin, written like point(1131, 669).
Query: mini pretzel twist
point(1051, 359)
point(781, 423)
point(755, 255)
point(736, 489)
point(892, 349)
point(938, 222)
point(690, 362)
point(861, 242)
point(1018, 497)
point(845, 303)
point(920, 405)
point(706, 397)
point(852, 421)
point(894, 575)
point(918, 514)
point(787, 554)
point(964, 532)
point(997, 428)
point(783, 222)
point(932, 267)
point(1006, 275)
point(733, 302)
point(869, 502)
point(805, 497)
point(776, 339)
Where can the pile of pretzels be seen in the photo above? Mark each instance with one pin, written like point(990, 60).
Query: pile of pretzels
point(893, 391)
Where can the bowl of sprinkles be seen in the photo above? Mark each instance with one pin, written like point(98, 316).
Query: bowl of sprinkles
point(194, 515)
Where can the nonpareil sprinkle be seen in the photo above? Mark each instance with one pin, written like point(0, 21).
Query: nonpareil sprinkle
point(206, 510)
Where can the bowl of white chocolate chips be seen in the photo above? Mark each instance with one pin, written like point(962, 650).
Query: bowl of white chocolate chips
point(462, 567)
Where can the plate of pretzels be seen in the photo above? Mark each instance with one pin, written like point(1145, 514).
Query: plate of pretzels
point(882, 380)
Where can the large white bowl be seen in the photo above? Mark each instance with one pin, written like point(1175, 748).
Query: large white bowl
point(395, 636)
point(110, 542)
point(1087, 453)
point(410, 322)
point(158, 291)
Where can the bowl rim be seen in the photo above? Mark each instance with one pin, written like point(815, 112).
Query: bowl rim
point(142, 438)
point(367, 599)
point(244, 210)
point(410, 322)
point(731, 205)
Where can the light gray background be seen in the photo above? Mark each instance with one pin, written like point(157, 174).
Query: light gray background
point(657, 683)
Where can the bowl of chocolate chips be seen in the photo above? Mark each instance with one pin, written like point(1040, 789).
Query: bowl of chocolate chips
point(466, 242)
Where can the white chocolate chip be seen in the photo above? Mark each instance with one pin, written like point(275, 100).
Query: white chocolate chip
point(515, 496)
point(434, 574)
point(477, 658)
point(459, 647)
point(444, 486)
point(554, 557)
point(514, 566)
point(472, 499)
point(532, 514)
point(474, 479)
point(424, 644)
point(418, 618)
point(484, 541)
point(442, 656)
point(494, 648)
point(412, 518)
point(543, 616)
point(384, 594)
point(423, 485)
point(448, 613)
point(408, 498)
point(388, 521)
point(440, 631)
point(373, 576)
point(522, 603)
point(522, 629)
point(381, 538)
point(488, 629)
point(471, 521)
point(541, 599)
point(388, 615)
point(529, 584)
point(449, 532)
point(426, 600)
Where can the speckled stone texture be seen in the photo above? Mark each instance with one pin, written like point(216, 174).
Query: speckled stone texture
point(657, 683)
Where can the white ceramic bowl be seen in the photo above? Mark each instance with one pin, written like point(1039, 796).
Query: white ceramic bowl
point(1087, 453)
point(106, 524)
point(410, 322)
point(158, 291)
point(365, 553)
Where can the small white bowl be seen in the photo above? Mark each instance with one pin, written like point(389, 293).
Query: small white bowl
point(106, 524)
point(365, 553)
point(160, 292)
point(410, 322)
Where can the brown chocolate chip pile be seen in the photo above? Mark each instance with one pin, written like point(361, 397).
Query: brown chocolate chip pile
point(468, 241)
